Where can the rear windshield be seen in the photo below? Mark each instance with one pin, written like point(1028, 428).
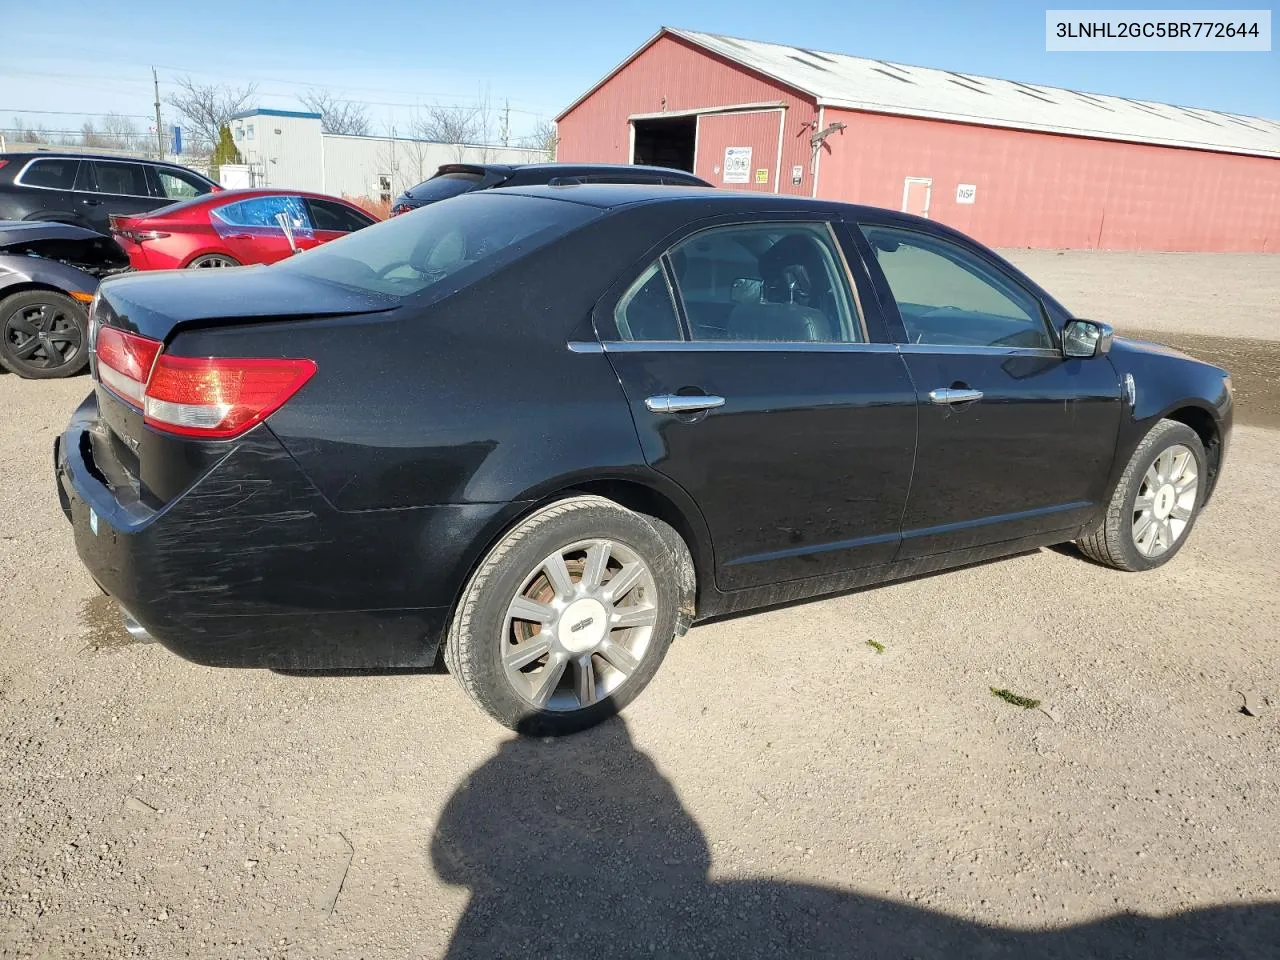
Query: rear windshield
point(465, 238)
point(445, 185)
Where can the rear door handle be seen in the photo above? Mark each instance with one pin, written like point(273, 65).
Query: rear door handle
point(673, 403)
point(954, 395)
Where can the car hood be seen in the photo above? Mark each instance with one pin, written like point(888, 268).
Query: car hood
point(156, 303)
point(1128, 345)
point(21, 232)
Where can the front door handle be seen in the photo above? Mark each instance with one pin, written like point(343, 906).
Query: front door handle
point(951, 395)
point(674, 403)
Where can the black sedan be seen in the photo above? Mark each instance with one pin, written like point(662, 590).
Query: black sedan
point(548, 428)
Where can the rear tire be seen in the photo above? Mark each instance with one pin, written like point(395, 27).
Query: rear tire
point(1155, 504)
point(43, 335)
point(213, 261)
point(543, 643)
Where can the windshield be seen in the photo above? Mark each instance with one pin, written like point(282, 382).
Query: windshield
point(465, 238)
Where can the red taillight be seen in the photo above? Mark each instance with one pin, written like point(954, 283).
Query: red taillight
point(211, 397)
point(137, 236)
point(219, 397)
point(4, 163)
point(125, 361)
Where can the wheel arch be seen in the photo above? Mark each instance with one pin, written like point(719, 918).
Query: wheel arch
point(649, 494)
point(1208, 429)
point(26, 286)
point(208, 252)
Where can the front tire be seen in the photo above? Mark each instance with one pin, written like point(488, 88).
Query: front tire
point(1156, 502)
point(43, 335)
point(569, 616)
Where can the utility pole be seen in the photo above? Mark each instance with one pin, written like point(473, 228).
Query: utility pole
point(155, 82)
point(506, 123)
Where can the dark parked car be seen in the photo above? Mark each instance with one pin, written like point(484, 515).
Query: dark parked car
point(86, 190)
point(454, 179)
point(550, 427)
point(49, 273)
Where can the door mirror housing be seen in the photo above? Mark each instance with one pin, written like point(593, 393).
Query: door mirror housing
point(1087, 338)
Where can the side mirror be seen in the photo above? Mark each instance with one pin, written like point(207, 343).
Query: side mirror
point(286, 225)
point(1086, 338)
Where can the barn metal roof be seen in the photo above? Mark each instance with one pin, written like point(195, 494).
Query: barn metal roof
point(857, 83)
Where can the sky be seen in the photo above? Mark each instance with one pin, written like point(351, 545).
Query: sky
point(80, 59)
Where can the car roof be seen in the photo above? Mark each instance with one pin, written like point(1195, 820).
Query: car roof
point(565, 169)
point(76, 155)
point(611, 195)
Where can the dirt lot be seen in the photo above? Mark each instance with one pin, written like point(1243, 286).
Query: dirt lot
point(781, 789)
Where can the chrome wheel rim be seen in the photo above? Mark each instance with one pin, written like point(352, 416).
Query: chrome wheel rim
point(213, 262)
point(579, 626)
point(43, 335)
point(1166, 501)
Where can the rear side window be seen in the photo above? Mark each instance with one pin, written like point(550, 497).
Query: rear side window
point(262, 212)
point(57, 173)
point(766, 282)
point(444, 186)
point(124, 179)
point(647, 311)
point(469, 237)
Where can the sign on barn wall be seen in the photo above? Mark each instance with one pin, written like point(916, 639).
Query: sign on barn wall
point(737, 164)
point(966, 192)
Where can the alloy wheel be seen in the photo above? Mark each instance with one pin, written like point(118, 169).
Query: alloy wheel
point(579, 626)
point(213, 261)
point(1166, 501)
point(44, 335)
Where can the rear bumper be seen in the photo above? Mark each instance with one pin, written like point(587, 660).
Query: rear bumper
point(251, 567)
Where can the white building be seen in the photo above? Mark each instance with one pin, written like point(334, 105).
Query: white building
point(287, 148)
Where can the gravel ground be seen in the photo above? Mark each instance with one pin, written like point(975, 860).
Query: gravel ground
point(781, 789)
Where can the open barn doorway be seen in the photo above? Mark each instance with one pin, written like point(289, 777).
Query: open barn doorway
point(665, 142)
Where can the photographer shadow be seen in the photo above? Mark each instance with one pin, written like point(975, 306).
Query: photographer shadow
point(579, 847)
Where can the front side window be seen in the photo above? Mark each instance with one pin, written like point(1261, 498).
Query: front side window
point(766, 282)
point(179, 185)
point(647, 310)
point(332, 216)
point(466, 239)
point(122, 179)
point(948, 296)
point(57, 173)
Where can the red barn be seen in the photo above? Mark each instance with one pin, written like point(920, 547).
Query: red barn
point(1013, 164)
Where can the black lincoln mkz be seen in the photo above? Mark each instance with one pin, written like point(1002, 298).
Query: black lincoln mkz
point(550, 427)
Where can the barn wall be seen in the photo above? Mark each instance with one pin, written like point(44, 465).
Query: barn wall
point(597, 130)
point(1044, 190)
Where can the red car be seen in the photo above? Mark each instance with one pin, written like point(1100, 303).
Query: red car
point(235, 227)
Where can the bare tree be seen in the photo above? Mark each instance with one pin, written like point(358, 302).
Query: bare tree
point(24, 134)
point(89, 136)
point(206, 108)
point(543, 137)
point(336, 114)
point(119, 132)
point(458, 124)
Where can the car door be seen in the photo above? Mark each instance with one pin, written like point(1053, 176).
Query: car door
point(331, 219)
point(251, 232)
point(1015, 439)
point(45, 190)
point(754, 385)
point(119, 187)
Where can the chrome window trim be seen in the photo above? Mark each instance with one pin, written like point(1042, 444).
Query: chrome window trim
point(745, 346)
point(800, 346)
point(17, 180)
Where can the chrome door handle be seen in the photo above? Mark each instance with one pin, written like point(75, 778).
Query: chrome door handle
point(953, 395)
point(673, 403)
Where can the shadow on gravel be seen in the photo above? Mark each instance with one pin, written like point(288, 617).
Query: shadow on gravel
point(579, 847)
